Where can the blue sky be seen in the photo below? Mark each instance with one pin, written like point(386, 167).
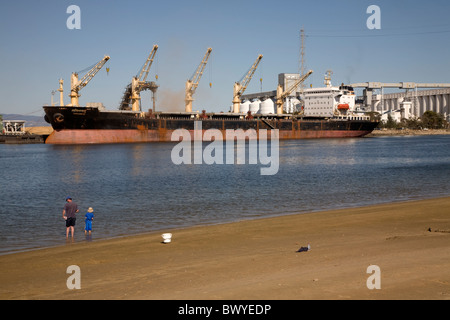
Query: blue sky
point(37, 48)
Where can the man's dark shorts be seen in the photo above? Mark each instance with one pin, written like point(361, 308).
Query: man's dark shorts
point(70, 222)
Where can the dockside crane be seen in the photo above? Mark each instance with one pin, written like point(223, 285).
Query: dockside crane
point(239, 87)
point(139, 83)
point(282, 95)
point(147, 65)
point(76, 85)
point(192, 83)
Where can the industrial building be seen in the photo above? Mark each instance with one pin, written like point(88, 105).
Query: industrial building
point(413, 103)
point(13, 127)
point(410, 103)
point(416, 101)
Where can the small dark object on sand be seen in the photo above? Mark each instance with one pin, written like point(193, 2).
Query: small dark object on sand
point(304, 249)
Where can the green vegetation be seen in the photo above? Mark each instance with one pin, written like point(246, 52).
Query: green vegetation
point(374, 116)
point(429, 120)
point(433, 120)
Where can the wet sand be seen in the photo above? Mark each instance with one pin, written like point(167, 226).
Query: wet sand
point(255, 259)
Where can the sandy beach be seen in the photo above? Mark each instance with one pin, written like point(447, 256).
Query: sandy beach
point(39, 130)
point(255, 259)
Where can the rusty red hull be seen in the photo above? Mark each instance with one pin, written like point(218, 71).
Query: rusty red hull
point(105, 136)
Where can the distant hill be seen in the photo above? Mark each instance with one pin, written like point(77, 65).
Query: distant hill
point(31, 121)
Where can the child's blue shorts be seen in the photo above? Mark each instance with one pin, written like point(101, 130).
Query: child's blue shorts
point(88, 225)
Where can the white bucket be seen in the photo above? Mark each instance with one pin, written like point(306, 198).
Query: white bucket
point(167, 237)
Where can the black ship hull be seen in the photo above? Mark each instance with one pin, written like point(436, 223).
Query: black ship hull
point(81, 125)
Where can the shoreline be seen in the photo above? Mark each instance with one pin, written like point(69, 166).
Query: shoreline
point(408, 132)
point(255, 259)
point(207, 224)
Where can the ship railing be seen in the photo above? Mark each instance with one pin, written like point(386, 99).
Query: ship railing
point(350, 118)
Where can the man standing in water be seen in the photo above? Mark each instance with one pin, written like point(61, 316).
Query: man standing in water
point(69, 214)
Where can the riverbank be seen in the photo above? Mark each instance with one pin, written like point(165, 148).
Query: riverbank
point(39, 130)
point(407, 132)
point(255, 259)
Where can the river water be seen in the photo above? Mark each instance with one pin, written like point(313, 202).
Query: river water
point(137, 188)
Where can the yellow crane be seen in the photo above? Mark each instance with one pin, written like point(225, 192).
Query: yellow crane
point(147, 65)
point(282, 95)
point(76, 85)
point(192, 83)
point(239, 87)
point(61, 91)
point(139, 82)
point(132, 93)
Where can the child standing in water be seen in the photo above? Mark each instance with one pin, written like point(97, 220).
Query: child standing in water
point(89, 217)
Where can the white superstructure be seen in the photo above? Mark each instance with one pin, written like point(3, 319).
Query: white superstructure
point(328, 101)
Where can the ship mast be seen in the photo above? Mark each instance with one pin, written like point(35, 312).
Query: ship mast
point(302, 55)
point(61, 92)
point(327, 80)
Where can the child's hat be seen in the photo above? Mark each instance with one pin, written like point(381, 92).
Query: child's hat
point(90, 209)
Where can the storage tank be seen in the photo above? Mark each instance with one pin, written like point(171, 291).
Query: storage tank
point(296, 105)
point(245, 106)
point(267, 107)
point(254, 106)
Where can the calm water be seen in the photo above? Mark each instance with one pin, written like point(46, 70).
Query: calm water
point(136, 188)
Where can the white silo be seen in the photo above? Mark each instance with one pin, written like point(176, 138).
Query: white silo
point(295, 105)
point(245, 106)
point(267, 107)
point(254, 106)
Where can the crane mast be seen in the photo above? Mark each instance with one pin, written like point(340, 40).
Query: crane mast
point(77, 85)
point(192, 83)
point(139, 82)
point(61, 91)
point(239, 87)
point(132, 93)
point(148, 64)
point(282, 95)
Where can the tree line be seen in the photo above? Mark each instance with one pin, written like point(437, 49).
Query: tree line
point(429, 120)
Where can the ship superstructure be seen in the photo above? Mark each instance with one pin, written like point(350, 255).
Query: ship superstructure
point(330, 101)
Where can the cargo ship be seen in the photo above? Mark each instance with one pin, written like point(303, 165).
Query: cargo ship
point(74, 125)
point(94, 124)
point(327, 112)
